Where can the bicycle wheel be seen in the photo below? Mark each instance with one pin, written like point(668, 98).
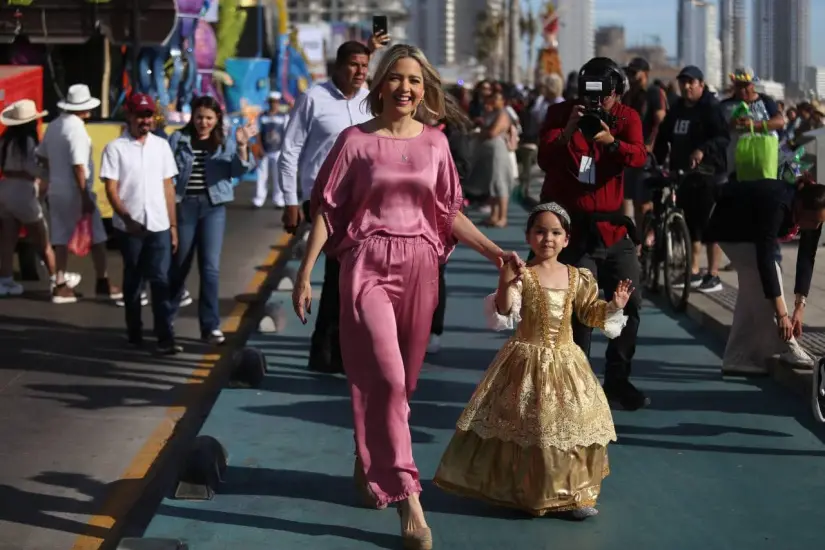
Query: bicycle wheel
point(649, 258)
point(677, 260)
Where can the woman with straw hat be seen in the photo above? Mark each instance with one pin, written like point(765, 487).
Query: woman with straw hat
point(20, 187)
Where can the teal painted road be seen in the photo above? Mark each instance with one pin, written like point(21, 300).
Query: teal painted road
point(711, 465)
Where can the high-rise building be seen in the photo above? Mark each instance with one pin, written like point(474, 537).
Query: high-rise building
point(431, 27)
point(733, 35)
point(576, 36)
point(782, 42)
point(350, 11)
point(699, 42)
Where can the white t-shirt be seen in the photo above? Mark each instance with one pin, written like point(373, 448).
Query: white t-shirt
point(140, 170)
point(66, 145)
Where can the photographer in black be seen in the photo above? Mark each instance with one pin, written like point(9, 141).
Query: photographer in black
point(695, 134)
point(585, 147)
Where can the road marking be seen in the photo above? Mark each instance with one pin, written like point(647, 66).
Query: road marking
point(125, 494)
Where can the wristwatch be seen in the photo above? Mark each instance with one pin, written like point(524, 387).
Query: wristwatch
point(613, 147)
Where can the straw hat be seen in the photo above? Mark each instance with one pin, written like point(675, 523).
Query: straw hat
point(78, 99)
point(21, 112)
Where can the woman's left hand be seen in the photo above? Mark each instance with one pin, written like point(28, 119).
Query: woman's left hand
point(244, 133)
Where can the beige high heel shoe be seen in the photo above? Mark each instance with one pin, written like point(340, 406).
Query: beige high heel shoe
point(367, 496)
point(416, 539)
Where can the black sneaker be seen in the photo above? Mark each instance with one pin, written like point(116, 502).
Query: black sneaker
point(134, 342)
point(625, 396)
point(818, 400)
point(710, 283)
point(695, 280)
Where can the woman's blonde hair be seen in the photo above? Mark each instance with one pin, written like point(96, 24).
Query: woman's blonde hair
point(432, 106)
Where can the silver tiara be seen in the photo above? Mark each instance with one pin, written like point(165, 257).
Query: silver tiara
point(553, 207)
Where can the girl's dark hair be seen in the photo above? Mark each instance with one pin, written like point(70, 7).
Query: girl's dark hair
point(18, 136)
point(810, 194)
point(216, 136)
point(531, 221)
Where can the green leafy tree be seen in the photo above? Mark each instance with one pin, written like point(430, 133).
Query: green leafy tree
point(489, 30)
point(231, 22)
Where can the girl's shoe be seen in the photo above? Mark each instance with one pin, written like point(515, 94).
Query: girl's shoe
point(367, 496)
point(415, 539)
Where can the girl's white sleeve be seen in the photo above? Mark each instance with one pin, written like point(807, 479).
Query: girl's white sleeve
point(496, 320)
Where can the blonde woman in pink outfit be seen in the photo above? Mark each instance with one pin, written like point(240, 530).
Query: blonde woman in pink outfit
point(386, 204)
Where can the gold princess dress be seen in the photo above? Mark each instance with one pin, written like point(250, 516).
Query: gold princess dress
point(534, 435)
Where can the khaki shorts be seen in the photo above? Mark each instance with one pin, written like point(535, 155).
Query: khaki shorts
point(19, 201)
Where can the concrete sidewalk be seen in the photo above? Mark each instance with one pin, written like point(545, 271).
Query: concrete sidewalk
point(86, 423)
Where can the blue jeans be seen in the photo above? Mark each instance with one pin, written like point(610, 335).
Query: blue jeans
point(200, 227)
point(147, 257)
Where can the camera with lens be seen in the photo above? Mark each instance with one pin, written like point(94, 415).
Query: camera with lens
point(598, 79)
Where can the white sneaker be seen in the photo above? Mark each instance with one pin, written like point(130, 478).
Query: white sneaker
point(797, 357)
point(216, 338)
point(186, 299)
point(144, 300)
point(435, 344)
point(10, 287)
point(71, 279)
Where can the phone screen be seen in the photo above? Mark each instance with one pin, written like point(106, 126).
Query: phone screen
point(379, 24)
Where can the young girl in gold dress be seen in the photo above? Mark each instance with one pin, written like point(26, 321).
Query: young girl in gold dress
point(534, 435)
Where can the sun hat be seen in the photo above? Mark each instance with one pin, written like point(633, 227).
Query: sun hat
point(78, 99)
point(21, 112)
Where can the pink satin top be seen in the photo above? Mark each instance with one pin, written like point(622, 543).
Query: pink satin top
point(373, 185)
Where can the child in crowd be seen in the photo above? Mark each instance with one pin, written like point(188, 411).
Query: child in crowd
point(534, 435)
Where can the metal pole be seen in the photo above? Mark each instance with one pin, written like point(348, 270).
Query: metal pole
point(135, 44)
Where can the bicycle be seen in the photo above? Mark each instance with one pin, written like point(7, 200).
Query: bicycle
point(666, 243)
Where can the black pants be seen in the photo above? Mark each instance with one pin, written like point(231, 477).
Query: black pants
point(696, 198)
point(325, 348)
point(610, 265)
point(437, 327)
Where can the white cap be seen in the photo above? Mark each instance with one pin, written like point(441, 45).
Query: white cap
point(275, 96)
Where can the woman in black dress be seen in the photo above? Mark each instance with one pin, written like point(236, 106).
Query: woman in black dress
point(748, 220)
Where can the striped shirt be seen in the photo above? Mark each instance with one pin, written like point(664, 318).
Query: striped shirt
point(197, 180)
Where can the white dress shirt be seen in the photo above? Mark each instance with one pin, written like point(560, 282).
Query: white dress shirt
point(140, 170)
point(318, 117)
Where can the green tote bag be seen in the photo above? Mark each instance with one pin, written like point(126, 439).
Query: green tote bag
point(757, 156)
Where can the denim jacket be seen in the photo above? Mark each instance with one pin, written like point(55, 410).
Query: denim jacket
point(221, 168)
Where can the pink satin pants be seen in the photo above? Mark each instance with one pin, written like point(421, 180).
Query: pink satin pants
point(389, 290)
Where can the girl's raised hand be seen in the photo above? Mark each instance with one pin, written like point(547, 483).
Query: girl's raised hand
point(622, 295)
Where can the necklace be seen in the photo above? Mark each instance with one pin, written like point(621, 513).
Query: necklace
point(403, 153)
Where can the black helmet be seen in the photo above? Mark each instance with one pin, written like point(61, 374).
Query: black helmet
point(601, 70)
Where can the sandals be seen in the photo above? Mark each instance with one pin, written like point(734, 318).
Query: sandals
point(416, 539)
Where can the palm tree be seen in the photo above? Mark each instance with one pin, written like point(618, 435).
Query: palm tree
point(489, 31)
point(529, 27)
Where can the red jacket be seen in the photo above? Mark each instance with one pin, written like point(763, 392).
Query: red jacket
point(561, 163)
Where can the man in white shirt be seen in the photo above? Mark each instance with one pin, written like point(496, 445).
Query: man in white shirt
point(138, 168)
point(67, 152)
point(320, 115)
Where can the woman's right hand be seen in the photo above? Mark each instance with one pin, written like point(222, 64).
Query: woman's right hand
point(785, 327)
point(302, 298)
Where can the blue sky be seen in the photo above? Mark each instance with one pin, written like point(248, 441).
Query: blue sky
point(645, 19)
